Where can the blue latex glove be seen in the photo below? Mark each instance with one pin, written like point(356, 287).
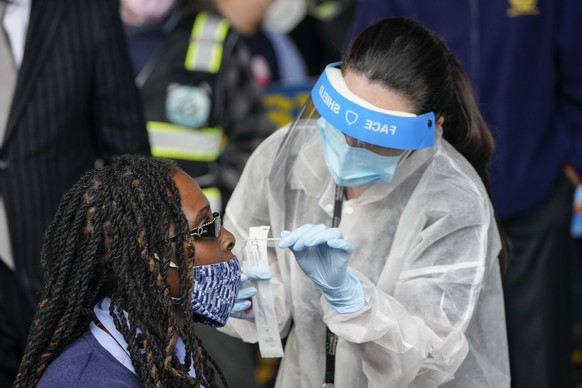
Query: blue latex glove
point(243, 298)
point(323, 255)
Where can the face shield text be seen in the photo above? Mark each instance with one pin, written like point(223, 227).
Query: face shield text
point(328, 101)
point(379, 127)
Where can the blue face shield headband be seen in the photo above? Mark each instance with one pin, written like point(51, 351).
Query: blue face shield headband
point(363, 121)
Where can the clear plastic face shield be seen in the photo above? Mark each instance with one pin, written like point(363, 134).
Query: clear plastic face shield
point(362, 143)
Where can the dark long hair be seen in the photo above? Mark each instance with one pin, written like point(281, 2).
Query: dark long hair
point(102, 243)
point(404, 56)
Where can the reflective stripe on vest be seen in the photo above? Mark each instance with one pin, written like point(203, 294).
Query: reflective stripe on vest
point(214, 198)
point(206, 40)
point(178, 142)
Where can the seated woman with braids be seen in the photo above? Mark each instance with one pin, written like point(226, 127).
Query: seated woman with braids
point(133, 258)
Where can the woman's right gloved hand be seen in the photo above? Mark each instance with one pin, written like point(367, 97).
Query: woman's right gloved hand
point(323, 255)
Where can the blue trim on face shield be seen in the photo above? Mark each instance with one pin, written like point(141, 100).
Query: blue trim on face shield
point(368, 125)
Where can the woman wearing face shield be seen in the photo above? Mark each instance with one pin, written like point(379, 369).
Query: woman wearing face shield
point(392, 151)
point(132, 259)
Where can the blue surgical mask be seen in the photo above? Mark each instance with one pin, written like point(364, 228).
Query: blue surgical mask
point(215, 289)
point(353, 166)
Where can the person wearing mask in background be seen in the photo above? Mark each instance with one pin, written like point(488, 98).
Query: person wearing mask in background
point(203, 107)
point(279, 67)
point(133, 258)
point(274, 57)
point(316, 27)
point(392, 152)
point(523, 59)
point(67, 102)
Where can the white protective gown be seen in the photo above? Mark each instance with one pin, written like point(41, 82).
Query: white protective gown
point(426, 249)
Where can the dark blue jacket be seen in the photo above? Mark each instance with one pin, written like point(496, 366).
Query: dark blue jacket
point(86, 364)
point(525, 64)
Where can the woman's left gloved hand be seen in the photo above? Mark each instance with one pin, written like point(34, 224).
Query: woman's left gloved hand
point(323, 255)
point(242, 305)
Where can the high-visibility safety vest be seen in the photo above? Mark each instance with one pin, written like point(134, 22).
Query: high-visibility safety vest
point(183, 100)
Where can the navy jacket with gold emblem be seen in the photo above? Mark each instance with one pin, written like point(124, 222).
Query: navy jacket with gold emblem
point(529, 89)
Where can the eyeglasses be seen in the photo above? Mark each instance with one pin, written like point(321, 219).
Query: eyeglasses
point(209, 229)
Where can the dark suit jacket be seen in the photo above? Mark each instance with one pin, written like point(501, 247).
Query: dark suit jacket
point(75, 102)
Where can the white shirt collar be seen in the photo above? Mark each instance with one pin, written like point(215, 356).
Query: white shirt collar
point(15, 23)
point(117, 346)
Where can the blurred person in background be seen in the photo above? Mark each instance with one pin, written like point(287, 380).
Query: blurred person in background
point(275, 59)
point(523, 59)
point(277, 63)
point(67, 103)
point(290, 41)
point(316, 27)
point(202, 105)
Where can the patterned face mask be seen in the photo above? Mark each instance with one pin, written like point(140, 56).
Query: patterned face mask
point(215, 289)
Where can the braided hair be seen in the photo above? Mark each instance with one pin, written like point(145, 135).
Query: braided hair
point(102, 243)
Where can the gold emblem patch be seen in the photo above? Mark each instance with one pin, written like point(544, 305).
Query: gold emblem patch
point(523, 7)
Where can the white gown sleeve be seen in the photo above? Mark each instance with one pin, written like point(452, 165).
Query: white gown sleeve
point(416, 336)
